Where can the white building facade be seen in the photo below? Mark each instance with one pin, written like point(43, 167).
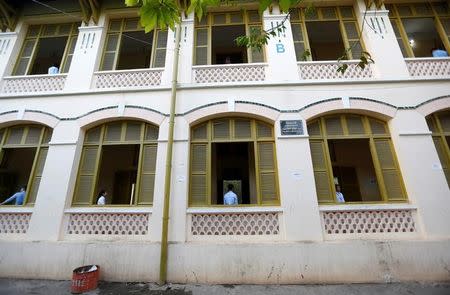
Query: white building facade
point(283, 126)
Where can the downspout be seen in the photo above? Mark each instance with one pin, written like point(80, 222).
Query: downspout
point(168, 176)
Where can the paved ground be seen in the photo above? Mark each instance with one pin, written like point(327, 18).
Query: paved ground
point(13, 287)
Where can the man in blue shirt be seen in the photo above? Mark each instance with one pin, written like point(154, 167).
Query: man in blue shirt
point(230, 198)
point(437, 52)
point(19, 197)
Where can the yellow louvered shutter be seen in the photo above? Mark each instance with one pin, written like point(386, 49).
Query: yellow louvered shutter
point(201, 46)
point(267, 173)
point(72, 44)
point(37, 176)
point(221, 129)
point(264, 130)
point(200, 132)
point(351, 30)
point(33, 135)
point(256, 55)
point(160, 51)
point(109, 54)
point(389, 170)
point(242, 129)
point(25, 57)
point(15, 135)
point(113, 132)
point(314, 129)
point(443, 157)
point(199, 175)
point(321, 175)
point(334, 126)
point(86, 176)
point(299, 41)
point(147, 181)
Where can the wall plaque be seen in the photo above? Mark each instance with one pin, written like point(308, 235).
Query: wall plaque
point(291, 127)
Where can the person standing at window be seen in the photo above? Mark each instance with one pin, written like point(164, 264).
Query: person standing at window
point(19, 197)
point(438, 52)
point(339, 195)
point(101, 198)
point(230, 198)
point(53, 70)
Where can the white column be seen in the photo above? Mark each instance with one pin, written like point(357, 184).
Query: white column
point(424, 180)
point(280, 50)
point(297, 185)
point(186, 53)
point(10, 46)
point(381, 42)
point(86, 58)
point(57, 182)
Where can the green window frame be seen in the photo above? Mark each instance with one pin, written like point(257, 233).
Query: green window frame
point(352, 126)
point(439, 124)
point(117, 30)
point(230, 130)
point(114, 134)
point(203, 34)
point(438, 11)
point(28, 136)
point(35, 34)
point(348, 26)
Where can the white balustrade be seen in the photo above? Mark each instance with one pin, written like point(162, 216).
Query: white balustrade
point(229, 73)
point(33, 83)
point(327, 70)
point(428, 67)
point(128, 78)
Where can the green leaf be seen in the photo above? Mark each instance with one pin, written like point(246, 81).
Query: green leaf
point(132, 2)
point(263, 4)
point(284, 5)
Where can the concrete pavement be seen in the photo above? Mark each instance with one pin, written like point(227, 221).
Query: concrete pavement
point(47, 287)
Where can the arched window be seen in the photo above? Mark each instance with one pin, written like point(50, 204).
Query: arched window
point(239, 151)
point(23, 150)
point(119, 157)
point(439, 124)
point(355, 153)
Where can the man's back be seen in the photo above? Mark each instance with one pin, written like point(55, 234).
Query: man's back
point(230, 198)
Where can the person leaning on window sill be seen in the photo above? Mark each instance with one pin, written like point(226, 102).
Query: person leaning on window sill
point(53, 70)
point(18, 197)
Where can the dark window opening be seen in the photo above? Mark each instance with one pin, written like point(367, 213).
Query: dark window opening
point(325, 40)
point(117, 173)
point(135, 50)
point(49, 52)
point(224, 47)
point(233, 163)
point(422, 36)
point(353, 169)
point(15, 170)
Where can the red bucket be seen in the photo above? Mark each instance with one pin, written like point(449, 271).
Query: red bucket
point(85, 278)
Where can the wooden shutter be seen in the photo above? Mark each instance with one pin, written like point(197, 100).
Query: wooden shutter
point(147, 181)
point(321, 173)
point(389, 170)
point(110, 52)
point(160, 51)
point(86, 176)
point(299, 41)
point(351, 30)
point(444, 157)
point(23, 63)
point(201, 46)
point(33, 190)
point(255, 54)
point(267, 173)
point(199, 174)
point(69, 56)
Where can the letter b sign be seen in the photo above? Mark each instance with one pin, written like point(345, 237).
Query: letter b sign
point(280, 48)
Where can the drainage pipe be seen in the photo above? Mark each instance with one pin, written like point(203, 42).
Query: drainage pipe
point(168, 176)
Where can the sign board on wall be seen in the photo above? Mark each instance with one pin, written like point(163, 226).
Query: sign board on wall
point(291, 127)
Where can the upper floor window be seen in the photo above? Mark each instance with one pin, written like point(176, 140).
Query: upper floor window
point(127, 46)
point(439, 124)
point(421, 27)
point(46, 46)
point(23, 150)
point(215, 38)
point(326, 33)
point(237, 151)
point(354, 160)
point(120, 158)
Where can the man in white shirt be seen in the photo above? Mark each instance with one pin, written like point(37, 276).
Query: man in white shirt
point(339, 195)
point(101, 198)
point(53, 70)
point(230, 198)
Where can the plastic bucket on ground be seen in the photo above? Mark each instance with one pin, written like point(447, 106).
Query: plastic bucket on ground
point(85, 278)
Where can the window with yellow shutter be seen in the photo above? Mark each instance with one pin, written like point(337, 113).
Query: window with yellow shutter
point(354, 160)
point(237, 151)
point(439, 124)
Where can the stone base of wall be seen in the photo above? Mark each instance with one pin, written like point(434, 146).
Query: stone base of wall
point(209, 263)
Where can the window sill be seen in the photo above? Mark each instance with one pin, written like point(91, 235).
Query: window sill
point(109, 210)
point(16, 209)
point(365, 207)
point(233, 209)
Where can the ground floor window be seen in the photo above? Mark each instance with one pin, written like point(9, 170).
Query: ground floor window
point(119, 158)
point(354, 160)
point(439, 124)
point(23, 150)
point(237, 151)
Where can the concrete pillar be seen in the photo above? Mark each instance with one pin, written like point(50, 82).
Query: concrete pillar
point(381, 42)
point(297, 185)
point(57, 182)
point(86, 57)
point(280, 51)
point(424, 180)
point(10, 46)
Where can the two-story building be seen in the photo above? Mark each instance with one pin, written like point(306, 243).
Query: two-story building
point(281, 124)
